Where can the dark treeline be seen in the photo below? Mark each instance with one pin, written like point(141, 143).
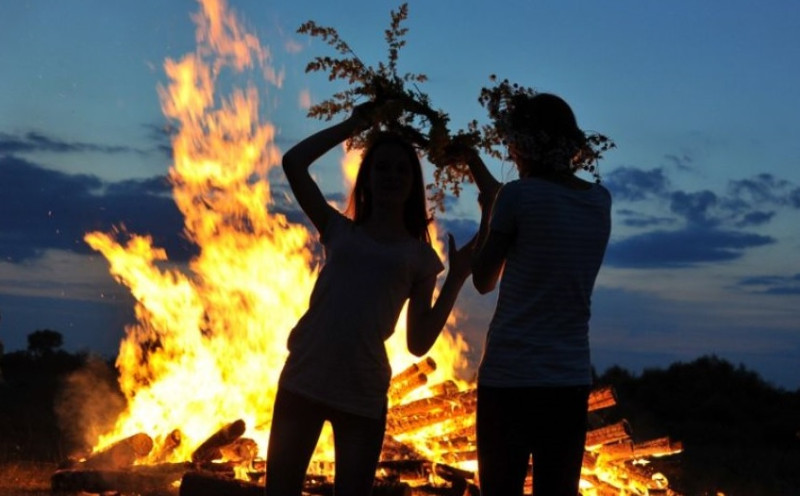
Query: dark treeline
point(741, 436)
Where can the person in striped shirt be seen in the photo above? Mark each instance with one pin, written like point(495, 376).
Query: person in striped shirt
point(543, 238)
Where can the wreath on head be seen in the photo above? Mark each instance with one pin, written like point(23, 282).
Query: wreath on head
point(577, 153)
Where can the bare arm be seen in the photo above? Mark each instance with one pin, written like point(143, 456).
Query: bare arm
point(298, 159)
point(488, 262)
point(491, 248)
point(426, 321)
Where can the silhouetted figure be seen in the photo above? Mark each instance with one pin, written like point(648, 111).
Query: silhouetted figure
point(376, 259)
point(543, 237)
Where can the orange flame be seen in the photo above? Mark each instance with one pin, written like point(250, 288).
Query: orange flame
point(209, 342)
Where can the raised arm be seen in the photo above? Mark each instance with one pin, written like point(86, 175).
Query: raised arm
point(484, 180)
point(298, 159)
point(426, 321)
point(491, 248)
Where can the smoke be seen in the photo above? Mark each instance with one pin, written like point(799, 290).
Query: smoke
point(89, 403)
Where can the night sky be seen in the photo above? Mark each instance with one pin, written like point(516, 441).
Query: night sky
point(700, 98)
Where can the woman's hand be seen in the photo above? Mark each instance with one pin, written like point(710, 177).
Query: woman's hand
point(368, 114)
point(460, 259)
point(363, 115)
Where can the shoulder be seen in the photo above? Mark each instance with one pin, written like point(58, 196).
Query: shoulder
point(602, 192)
point(337, 223)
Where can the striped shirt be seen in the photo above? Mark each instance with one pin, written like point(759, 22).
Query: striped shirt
point(538, 335)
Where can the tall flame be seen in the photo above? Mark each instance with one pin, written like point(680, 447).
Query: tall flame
point(209, 342)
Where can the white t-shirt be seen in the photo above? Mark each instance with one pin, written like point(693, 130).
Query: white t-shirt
point(336, 350)
point(538, 335)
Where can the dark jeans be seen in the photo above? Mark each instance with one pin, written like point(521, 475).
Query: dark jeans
point(296, 425)
point(548, 423)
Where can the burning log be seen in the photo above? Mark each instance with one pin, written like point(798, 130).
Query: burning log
point(408, 470)
point(626, 450)
point(445, 387)
point(398, 391)
point(602, 398)
point(460, 456)
point(426, 366)
point(410, 379)
point(443, 401)
point(431, 411)
point(419, 473)
point(397, 450)
point(121, 454)
point(608, 434)
point(210, 449)
point(242, 451)
point(447, 443)
point(427, 411)
point(171, 442)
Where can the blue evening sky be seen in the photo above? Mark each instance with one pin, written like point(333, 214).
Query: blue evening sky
point(700, 97)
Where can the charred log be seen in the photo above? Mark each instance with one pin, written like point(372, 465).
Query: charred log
point(121, 454)
point(211, 447)
point(196, 483)
point(140, 479)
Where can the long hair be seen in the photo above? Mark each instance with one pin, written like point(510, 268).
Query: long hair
point(415, 210)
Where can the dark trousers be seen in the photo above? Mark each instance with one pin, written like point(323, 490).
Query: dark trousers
point(296, 425)
point(513, 424)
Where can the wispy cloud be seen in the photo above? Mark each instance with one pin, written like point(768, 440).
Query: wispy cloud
point(33, 141)
point(771, 284)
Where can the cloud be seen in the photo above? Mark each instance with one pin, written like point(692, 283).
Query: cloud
point(682, 248)
point(709, 226)
point(763, 188)
point(634, 218)
point(45, 209)
point(696, 208)
point(292, 46)
point(632, 184)
point(771, 284)
point(462, 229)
point(755, 218)
point(33, 141)
point(304, 100)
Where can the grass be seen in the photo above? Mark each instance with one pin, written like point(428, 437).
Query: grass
point(21, 478)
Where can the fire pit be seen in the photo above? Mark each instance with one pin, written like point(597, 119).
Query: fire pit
point(429, 449)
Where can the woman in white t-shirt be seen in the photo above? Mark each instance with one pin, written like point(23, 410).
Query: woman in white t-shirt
point(376, 258)
point(543, 237)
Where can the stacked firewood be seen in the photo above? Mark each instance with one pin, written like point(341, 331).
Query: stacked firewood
point(429, 443)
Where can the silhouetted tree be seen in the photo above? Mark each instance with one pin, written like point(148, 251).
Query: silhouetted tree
point(44, 342)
